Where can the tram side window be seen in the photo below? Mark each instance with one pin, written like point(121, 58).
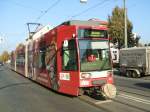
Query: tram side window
point(42, 58)
point(69, 57)
point(20, 61)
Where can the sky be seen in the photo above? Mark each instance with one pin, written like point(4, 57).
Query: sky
point(14, 14)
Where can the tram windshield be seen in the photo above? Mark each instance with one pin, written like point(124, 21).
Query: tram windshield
point(94, 55)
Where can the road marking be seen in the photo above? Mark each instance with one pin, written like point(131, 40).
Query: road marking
point(134, 98)
point(101, 102)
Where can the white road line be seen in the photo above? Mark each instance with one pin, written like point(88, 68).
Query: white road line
point(101, 102)
point(134, 98)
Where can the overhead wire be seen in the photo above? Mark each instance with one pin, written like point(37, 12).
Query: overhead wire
point(46, 11)
point(43, 12)
point(25, 6)
point(90, 8)
point(34, 26)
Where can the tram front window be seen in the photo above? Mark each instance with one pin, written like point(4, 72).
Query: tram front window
point(94, 55)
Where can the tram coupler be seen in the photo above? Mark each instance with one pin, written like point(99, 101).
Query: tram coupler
point(108, 91)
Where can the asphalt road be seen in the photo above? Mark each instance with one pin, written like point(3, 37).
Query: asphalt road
point(18, 94)
point(138, 86)
point(133, 95)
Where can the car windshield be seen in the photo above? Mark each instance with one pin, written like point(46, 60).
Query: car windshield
point(94, 55)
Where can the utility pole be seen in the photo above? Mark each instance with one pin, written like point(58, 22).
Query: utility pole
point(125, 25)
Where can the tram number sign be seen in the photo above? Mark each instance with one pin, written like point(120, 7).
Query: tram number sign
point(64, 76)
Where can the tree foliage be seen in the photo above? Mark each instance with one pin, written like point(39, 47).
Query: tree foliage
point(116, 27)
point(4, 57)
point(1, 58)
point(20, 46)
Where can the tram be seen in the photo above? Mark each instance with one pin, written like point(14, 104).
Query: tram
point(71, 58)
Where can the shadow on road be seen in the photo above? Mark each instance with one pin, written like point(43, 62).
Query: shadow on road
point(96, 96)
point(144, 84)
point(14, 84)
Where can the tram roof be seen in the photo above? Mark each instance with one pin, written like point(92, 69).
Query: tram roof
point(85, 23)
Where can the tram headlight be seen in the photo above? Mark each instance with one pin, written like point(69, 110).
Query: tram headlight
point(85, 75)
point(110, 77)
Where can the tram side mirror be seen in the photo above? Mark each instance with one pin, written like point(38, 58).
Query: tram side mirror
point(65, 43)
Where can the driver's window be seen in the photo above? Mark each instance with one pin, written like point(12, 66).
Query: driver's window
point(69, 56)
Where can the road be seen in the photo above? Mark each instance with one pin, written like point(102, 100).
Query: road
point(137, 86)
point(133, 95)
point(18, 94)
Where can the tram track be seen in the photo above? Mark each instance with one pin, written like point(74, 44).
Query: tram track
point(93, 102)
point(135, 93)
point(119, 100)
point(133, 90)
point(132, 106)
point(134, 97)
point(98, 105)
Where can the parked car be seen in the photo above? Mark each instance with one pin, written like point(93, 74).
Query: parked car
point(1, 63)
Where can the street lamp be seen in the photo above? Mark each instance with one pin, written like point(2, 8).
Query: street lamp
point(83, 1)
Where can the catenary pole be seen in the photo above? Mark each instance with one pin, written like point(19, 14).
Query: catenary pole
point(125, 25)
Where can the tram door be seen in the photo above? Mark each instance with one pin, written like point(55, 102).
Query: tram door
point(26, 60)
point(68, 77)
point(42, 73)
point(30, 60)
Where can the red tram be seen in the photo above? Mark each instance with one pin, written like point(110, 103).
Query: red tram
point(71, 58)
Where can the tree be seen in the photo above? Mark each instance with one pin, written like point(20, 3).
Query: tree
point(1, 58)
point(145, 45)
point(5, 56)
point(19, 46)
point(135, 39)
point(116, 27)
